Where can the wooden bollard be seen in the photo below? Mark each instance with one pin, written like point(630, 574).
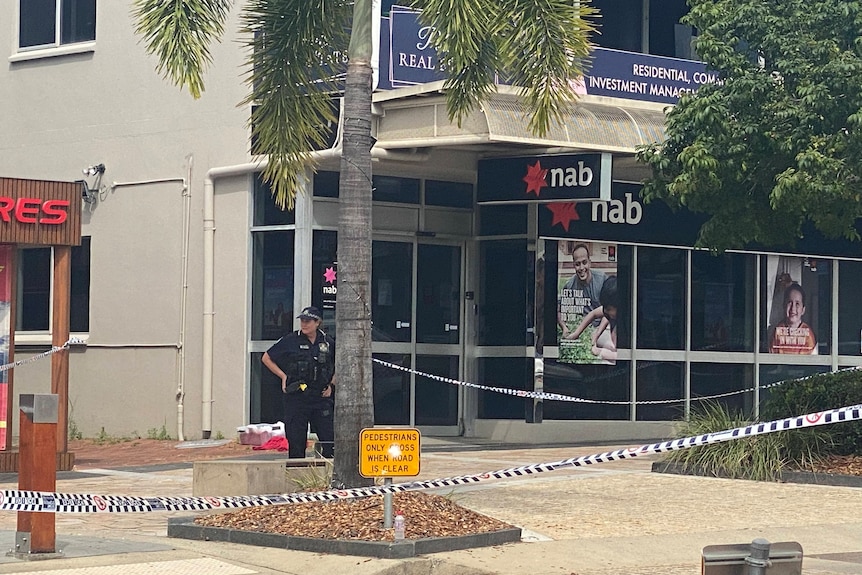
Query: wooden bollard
point(37, 471)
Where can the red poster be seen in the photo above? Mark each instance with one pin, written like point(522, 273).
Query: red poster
point(5, 334)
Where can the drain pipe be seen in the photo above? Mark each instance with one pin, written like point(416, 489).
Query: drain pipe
point(209, 256)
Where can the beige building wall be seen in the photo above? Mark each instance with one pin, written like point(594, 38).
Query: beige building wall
point(108, 105)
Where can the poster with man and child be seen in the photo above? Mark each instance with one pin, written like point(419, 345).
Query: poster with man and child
point(587, 302)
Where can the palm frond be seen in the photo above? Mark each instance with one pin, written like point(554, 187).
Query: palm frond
point(179, 33)
point(297, 47)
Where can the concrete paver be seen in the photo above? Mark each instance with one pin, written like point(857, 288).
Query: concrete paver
point(609, 519)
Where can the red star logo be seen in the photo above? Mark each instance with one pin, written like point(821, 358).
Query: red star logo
point(329, 275)
point(535, 178)
point(564, 213)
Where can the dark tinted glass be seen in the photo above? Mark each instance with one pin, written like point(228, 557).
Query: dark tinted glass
point(392, 289)
point(660, 381)
point(37, 24)
point(326, 184)
point(448, 194)
point(78, 21)
point(436, 401)
point(849, 310)
point(722, 302)
point(272, 285)
point(324, 246)
point(503, 292)
point(661, 298)
point(508, 372)
point(266, 212)
point(391, 189)
point(391, 390)
point(79, 314)
point(587, 381)
point(503, 220)
point(710, 379)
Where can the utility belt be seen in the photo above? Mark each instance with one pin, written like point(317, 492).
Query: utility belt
point(305, 388)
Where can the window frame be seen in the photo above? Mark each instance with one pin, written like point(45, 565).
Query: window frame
point(57, 47)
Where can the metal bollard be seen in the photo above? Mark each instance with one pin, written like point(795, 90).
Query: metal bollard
point(758, 559)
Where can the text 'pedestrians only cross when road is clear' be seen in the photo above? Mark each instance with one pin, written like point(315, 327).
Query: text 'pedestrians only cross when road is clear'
point(389, 452)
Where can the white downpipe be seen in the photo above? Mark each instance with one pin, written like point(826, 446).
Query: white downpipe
point(181, 363)
point(209, 274)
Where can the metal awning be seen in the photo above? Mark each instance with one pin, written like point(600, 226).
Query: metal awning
point(418, 119)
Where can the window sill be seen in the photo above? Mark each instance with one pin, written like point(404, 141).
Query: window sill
point(42, 338)
point(40, 53)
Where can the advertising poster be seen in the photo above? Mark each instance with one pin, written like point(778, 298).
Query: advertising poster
point(5, 335)
point(587, 302)
point(792, 292)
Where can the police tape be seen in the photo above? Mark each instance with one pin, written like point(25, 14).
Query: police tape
point(44, 354)
point(40, 501)
point(573, 399)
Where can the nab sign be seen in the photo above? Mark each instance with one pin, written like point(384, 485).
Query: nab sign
point(545, 179)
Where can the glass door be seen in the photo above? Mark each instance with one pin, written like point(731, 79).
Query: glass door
point(417, 322)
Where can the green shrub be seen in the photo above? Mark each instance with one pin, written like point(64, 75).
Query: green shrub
point(819, 393)
point(761, 457)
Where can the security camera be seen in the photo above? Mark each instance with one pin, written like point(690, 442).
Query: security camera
point(93, 170)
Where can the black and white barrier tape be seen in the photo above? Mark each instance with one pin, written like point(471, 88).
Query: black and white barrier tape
point(560, 397)
point(38, 501)
point(44, 354)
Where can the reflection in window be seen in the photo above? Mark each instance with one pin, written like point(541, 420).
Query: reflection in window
point(266, 212)
point(849, 310)
point(272, 285)
point(709, 379)
point(774, 373)
point(324, 245)
point(33, 292)
point(392, 189)
point(587, 381)
point(391, 390)
point(503, 292)
point(508, 372)
point(660, 381)
point(392, 290)
point(722, 302)
point(448, 194)
point(39, 24)
point(661, 298)
point(436, 401)
point(265, 400)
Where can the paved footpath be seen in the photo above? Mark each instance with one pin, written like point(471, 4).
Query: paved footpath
point(610, 519)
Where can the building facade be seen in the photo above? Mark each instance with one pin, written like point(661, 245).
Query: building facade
point(187, 272)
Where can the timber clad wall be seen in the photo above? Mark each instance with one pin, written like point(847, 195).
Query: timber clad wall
point(13, 231)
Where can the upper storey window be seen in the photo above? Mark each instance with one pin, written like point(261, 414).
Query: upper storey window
point(53, 23)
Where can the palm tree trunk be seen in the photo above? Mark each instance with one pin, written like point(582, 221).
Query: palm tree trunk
point(354, 398)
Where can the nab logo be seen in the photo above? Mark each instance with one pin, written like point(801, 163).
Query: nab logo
point(571, 177)
point(618, 212)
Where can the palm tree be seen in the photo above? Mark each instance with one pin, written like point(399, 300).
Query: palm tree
point(540, 45)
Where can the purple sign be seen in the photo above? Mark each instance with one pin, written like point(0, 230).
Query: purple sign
point(407, 58)
point(635, 76)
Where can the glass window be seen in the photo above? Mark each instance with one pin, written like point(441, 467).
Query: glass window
point(438, 294)
point(41, 24)
point(619, 25)
point(265, 395)
point(503, 220)
point(660, 381)
point(594, 382)
point(324, 247)
point(770, 374)
point(503, 292)
point(391, 390)
point(272, 285)
point(797, 305)
point(392, 290)
point(709, 379)
point(849, 310)
point(436, 401)
point(661, 298)
point(326, 184)
point(33, 299)
point(508, 372)
point(34, 290)
point(266, 212)
point(392, 189)
point(448, 194)
point(722, 302)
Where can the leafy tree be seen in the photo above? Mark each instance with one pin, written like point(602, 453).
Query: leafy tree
point(293, 44)
point(775, 148)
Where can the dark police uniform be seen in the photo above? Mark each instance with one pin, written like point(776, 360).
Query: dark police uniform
point(309, 368)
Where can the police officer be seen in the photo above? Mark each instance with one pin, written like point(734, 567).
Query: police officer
point(304, 360)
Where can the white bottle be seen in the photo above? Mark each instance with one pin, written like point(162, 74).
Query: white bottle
point(399, 525)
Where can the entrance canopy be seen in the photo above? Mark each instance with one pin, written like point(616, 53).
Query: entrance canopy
point(416, 117)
